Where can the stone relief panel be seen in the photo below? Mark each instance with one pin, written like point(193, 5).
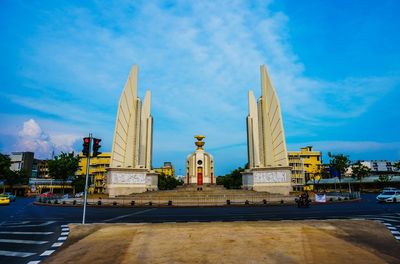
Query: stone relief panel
point(125, 178)
point(271, 176)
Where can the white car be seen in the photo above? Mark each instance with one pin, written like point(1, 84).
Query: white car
point(389, 196)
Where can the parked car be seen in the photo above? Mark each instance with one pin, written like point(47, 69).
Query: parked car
point(4, 200)
point(11, 196)
point(47, 194)
point(389, 196)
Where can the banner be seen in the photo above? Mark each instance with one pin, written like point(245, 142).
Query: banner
point(320, 198)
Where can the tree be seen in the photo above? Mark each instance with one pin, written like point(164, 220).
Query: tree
point(319, 172)
point(340, 163)
point(78, 183)
point(232, 180)
point(384, 179)
point(168, 182)
point(10, 177)
point(63, 166)
point(360, 171)
point(5, 164)
point(397, 166)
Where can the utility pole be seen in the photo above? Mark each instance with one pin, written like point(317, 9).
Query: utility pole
point(87, 171)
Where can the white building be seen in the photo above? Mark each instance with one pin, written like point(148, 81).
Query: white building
point(379, 165)
point(22, 161)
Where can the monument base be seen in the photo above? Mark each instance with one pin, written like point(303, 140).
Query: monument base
point(273, 180)
point(124, 181)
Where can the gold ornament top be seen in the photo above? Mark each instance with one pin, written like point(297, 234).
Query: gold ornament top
point(199, 142)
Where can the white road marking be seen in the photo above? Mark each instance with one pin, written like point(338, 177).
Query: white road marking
point(34, 262)
point(18, 241)
point(65, 229)
point(17, 223)
point(63, 226)
point(135, 213)
point(391, 227)
point(57, 244)
point(64, 233)
point(26, 233)
point(385, 219)
point(43, 224)
point(47, 253)
point(16, 254)
point(395, 232)
point(62, 238)
point(397, 237)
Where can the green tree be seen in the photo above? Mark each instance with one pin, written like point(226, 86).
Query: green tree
point(384, 179)
point(359, 172)
point(397, 166)
point(5, 164)
point(168, 182)
point(78, 183)
point(10, 177)
point(63, 166)
point(340, 163)
point(232, 180)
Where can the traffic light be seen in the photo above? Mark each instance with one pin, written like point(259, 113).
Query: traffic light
point(96, 147)
point(86, 146)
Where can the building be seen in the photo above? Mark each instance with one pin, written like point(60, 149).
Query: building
point(40, 169)
point(200, 165)
point(131, 155)
point(305, 165)
point(380, 165)
point(167, 169)
point(22, 161)
point(97, 170)
point(269, 169)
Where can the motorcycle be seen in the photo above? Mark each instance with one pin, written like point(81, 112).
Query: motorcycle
point(303, 201)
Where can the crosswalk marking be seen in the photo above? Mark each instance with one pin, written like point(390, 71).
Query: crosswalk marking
point(34, 262)
point(25, 233)
point(65, 229)
point(47, 253)
point(16, 254)
point(62, 238)
point(57, 244)
point(43, 224)
point(18, 241)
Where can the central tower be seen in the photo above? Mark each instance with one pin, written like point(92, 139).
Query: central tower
point(200, 165)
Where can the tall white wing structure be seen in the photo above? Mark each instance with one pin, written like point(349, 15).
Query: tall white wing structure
point(130, 169)
point(132, 144)
point(268, 168)
point(266, 137)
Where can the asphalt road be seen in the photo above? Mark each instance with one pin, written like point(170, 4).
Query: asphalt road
point(34, 230)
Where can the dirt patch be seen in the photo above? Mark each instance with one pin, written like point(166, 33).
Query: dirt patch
point(238, 242)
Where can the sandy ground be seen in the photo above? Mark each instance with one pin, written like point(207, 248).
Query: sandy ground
point(333, 241)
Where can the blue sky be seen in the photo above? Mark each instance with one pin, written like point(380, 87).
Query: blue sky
point(335, 65)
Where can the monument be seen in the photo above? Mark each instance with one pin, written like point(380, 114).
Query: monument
point(268, 169)
point(200, 165)
point(131, 155)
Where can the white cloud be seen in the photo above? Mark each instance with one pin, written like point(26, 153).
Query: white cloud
point(32, 138)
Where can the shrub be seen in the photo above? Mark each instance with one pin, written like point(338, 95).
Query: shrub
point(114, 203)
point(63, 202)
point(264, 201)
point(282, 201)
point(246, 202)
point(133, 203)
point(169, 202)
point(150, 203)
point(56, 202)
point(99, 202)
point(228, 202)
point(74, 202)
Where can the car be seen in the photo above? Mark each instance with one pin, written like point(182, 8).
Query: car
point(12, 197)
point(47, 194)
point(389, 196)
point(4, 200)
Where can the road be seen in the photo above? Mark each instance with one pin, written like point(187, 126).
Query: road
point(28, 231)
